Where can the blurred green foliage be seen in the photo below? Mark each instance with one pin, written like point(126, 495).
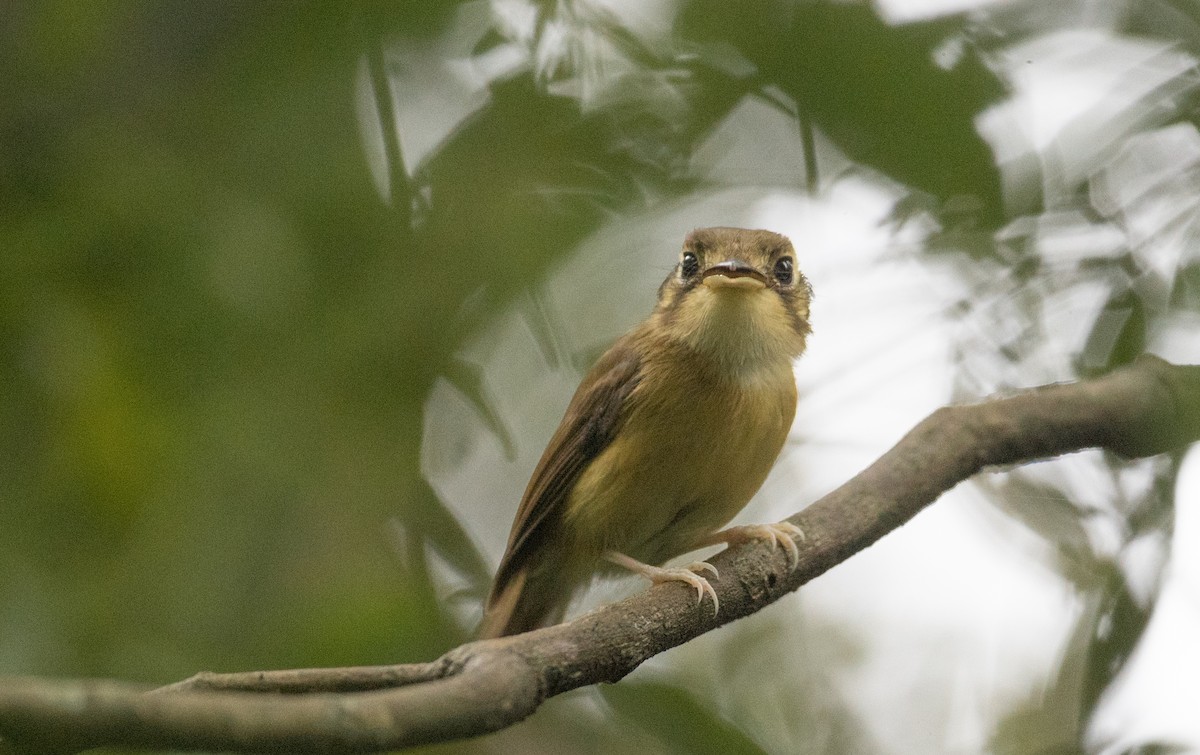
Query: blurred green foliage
point(214, 342)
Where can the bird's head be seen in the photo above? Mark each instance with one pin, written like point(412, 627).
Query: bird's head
point(737, 296)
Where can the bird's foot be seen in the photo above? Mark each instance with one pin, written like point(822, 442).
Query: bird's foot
point(658, 575)
point(780, 534)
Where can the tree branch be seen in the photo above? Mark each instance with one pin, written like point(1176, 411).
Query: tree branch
point(1146, 408)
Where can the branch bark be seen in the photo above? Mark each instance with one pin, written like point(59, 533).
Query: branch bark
point(1146, 408)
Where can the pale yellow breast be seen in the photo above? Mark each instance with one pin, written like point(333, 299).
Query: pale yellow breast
point(691, 453)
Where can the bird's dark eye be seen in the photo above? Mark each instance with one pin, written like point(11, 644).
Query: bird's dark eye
point(689, 265)
point(783, 270)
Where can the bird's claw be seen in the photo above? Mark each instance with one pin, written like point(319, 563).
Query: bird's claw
point(786, 534)
point(658, 575)
point(780, 534)
point(688, 574)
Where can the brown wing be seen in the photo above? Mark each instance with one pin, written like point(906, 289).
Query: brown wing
point(589, 425)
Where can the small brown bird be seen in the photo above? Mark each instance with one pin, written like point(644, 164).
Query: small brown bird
point(668, 436)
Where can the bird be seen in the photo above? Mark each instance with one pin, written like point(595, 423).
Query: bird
point(667, 437)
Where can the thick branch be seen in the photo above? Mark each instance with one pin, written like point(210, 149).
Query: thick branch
point(1146, 408)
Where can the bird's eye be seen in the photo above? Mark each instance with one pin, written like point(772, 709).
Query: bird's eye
point(689, 265)
point(783, 270)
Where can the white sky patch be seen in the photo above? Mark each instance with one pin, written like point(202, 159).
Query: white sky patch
point(909, 11)
point(1155, 697)
point(1075, 94)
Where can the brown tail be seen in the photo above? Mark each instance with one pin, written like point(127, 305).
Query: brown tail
point(524, 603)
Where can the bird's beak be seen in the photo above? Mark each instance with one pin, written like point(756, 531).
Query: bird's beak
point(733, 274)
